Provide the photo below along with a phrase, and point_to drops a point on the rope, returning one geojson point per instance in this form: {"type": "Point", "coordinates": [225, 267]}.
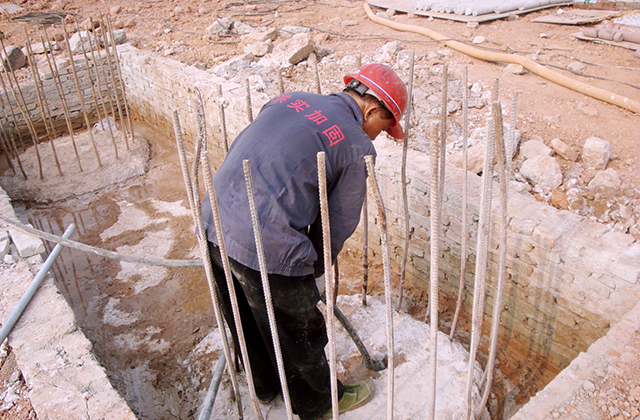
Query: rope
{"type": "Point", "coordinates": [386, 263]}
{"type": "Point", "coordinates": [405, 199]}
{"type": "Point", "coordinates": [481, 259]}
{"type": "Point", "coordinates": [465, 228]}
{"type": "Point", "coordinates": [99, 251]}
{"type": "Point", "coordinates": [434, 158]}
{"type": "Point", "coordinates": [213, 200]}
{"type": "Point", "coordinates": [265, 286]}
{"type": "Point", "coordinates": [326, 247]}
{"type": "Point", "coordinates": [197, 218]}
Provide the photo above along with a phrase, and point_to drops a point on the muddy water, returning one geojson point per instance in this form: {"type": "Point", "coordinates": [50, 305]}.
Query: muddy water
{"type": "Point", "coordinates": [144, 321]}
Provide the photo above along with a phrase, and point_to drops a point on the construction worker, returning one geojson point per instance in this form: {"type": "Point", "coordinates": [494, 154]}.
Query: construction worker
{"type": "Point", "coordinates": [281, 145]}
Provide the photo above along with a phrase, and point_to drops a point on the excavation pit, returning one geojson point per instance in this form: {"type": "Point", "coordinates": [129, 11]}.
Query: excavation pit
{"type": "Point", "coordinates": [554, 305]}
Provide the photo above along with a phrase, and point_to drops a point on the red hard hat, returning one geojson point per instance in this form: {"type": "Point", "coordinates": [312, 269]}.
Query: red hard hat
{"type": "Point", "coordinates": [388, 86]}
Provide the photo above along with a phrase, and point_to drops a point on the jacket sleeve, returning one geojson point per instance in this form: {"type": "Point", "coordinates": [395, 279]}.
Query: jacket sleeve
{"type": "Point", "coordinates": [345, 196]}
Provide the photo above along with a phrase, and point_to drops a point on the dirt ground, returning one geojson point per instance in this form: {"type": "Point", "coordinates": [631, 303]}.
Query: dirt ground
{"type": "Point", "coordinates": [546, 111]}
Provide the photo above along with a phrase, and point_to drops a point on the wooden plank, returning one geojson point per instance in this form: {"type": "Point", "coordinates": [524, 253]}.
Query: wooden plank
{"type": "Point", "coordinates": [577, 17]}
{"type": "Point", "coordinates": [407, 6]}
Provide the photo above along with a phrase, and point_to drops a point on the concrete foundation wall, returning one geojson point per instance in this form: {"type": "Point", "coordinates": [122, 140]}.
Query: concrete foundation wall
{"type": "Point", "coordinates": [568, 278]}
{"type": "Point", "coordinates": [11, 111]}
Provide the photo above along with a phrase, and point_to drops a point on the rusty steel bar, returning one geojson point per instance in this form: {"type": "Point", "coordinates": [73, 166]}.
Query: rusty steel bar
{"type": "Point", "coordinates": [316, 73]}
{"type": "Point", "coordinates": [53, 68]}
{"type": "Point", "coordinates": [80, 99]}
{"type": "Point", "coordinates": [23, 108]}
{"type": "Point", "coordinates": [223, 119]}
{"type": "Point", "coordinates": [10, 140]}
{"type": "Point", "coordinates": [248, 101]}
{"type": "Point", "coordinates": [365, 249]}
{"type": "Point", "coordinates": [42, 101]}
{"type": "Point", "coordinates": [117, 67]}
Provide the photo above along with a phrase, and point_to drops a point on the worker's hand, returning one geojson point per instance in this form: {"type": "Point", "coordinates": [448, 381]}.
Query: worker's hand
{"type": "Point", "coordinates": [320, 284]}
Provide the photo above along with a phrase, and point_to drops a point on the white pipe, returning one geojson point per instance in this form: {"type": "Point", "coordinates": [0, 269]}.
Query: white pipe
{"type": "Point", "coordinates": [33, 287]}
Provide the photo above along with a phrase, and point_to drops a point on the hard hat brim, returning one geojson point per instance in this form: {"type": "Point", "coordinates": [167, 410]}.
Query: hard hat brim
{"type": "Point", "coordinates": [396, 131]}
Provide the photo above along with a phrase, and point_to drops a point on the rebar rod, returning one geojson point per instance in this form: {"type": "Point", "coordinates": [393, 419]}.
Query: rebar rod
{"type": "Point", "coordinates": [365, 249]}
{"type": "Point", "coordinates": [280, 82]}
{"type": "Point", "coordinates": [99, 63]}
{"type": "Point", "coordinates": [122, 85]}
{"type": "Point", "coordinates": [13, 113]}
{"type": "Point", "coordinates": [265, 285]}
{"type": "Point", "coordinates": [80, 99]}
{"type": "Point", "coordinates": [53, 68]}
{"type": "Point", "coordinates": [8, 325]}
{"type": "Point", "coordinates": [11, 144]}
{"type": "Point", "coordinates": [204, 248]}
{"type": "Point", "coordinates": [213, 201]}
{"type": "Point", "coordinates": [114, 83]}
{"type": "Point", "coordinates": [386, 263]}
{"type": "Point", "coordinates": [465, 227]}
{"type": "Point", "coordinates": [23, 108]}
{"type": "Point", "coordinates": [503, 173]}
{"type": "Point", "coordinates": [328, 278]}
{"type": "Point", "coordinates": [249, 110]}
{"type": "Point", "coordinates": [511, 140]}
{"type": "Point", "coordinates": [405, 199]}
{"type": "Point", "coordinates": [223, 119]}
{"type": "Point", "coordinates": [6, 151]}
{"type": "Point", "coordinates": [481, 260]}
{"type": "Point", "coordinates": [42, 100]}
{"type": "Point", "coordinates": [434, 151]}
{"type": "Point", "coordinates": [443, 137]}
{"type": "Point", "coordinates": [93, 89]}
{"type": "Point", "coordinates": [313, 59]}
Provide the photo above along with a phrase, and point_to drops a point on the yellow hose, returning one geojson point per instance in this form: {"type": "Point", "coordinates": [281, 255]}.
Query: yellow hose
{"type": "Point", "coordinates": [554, 76]}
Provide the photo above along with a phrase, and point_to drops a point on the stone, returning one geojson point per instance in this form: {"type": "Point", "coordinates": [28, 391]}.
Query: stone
{"type": "Point", "coordinates": [596, 153]}
{"type": "Point", "coordinates": [119, 36]}
{"type": "Point", "coordinates": [235, 64]}
{"type": "Point", "coordinates": [321, 51]}
{"type": "Point", "coordinates": [391, 48]}
{"type": "Point", "coordinates": [83, 39]}
{"type": "Point", "coordinates": [534, 148]}
{"type": "Point", "coordinates": [479, 39]}
{"type": "Point", "coordinates": [588, 110]}
{"type": "Point", "coordinates": [26, 244]}
{"type": "Point", "coordinates": [15, 59]}
{"type": "Point", "coordinates": [588, 386]}
{"type": "Point", "coordinates": [242, 28]}
{"type": "Point", "coordinates": [89, 24]}
{"type": "Point", "coordinates": [564, 150]}
{"type": "Point", "coordinates": [10, 8]}
{"type": "Point", "coordinates": [383, 15]}
{"type": "Point", "coordinates": [608, 179]}
{"type": "Point", "coordinates": [290, 30]}
{"type": "Point", "coordinates": [543, 171]}
{"type": "Point", "coordinates": [575, 66]}
{"type": "Point", "coordinates": [268, 35]}
{"type": "Point", "coordinates": [391, 12]}
{"type": "Point", "coordinates": [220, 26]}
{"type": "Point", "coordinates": [259, 49]}
{"type": "Point", "coordinates": [115, 10]}
{"type": "Point", "coordinates": [8, 259]}
{"type": "Point", "coordinates": [346, 23]}
{"type": "Point", "coordinates": [40, 48]}
{"type": "Point", "coordinates": [472, 25]}
{"type": "Point", "coordinates": [4, 246]}
{"type": "Point", "coordinates": [295, 49]}
{"type": "Point", "coordinates": [514, 69]}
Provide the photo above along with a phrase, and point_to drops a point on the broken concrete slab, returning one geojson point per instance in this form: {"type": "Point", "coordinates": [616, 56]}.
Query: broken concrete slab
{"type": "Point", "coordinates": [83, 41]}
{"type": "Point", "coordinates": [534, 148]}
{"type": "Point", "coordinates": [15, 59]}
{"type": "Point", "coordinates": [26, 244]}
{"type": "Point", "coordinates": [564, 150]}
{"type": "Point", "coordinates": [608, 179]}
{"type": "Point", "coordinates": [252, 38]}
{"type": "Point", "coordinates": [596, 153]}
{"type": "Point", "coordinates": [542, 171]}
{"type": "Point", "coordinates": [238, 63]}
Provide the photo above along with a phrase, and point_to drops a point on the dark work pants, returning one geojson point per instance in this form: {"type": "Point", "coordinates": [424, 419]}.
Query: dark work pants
{"type": "Point", "coordinates": [301, 330]}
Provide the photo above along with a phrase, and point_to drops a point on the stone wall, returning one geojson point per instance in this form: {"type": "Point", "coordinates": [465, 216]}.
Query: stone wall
{"type": "Point", "coordinates": [11, 110]}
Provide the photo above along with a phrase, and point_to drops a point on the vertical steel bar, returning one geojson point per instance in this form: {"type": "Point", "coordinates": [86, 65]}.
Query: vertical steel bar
{"type": "Point", "coordinates": [114, 83]}
{"type": "Point", "coordinates": [53, 68]}
{"type": "Point", "coordinates": [435, 199]}
{"type": "Point", "coordinates": [386, 263]}
{"type": "Point", "coordinates": [11, 144]}
{"type": "Point", "coordinates": [23, 108]}
{"type": "Point", "coordinates": [80, 99]}
{"type": "Point", "coordinates": [248, 101]}
{"type": "Point", "coordinates": [405, 199]}
{"type": "Point", "coordinates": [223, 119]}
{"type": "Point", "coordinates": [329, 281]}
{"type": "Point", "coordinates": [6, 151]}
{"type": "Point", "coordinates": [99, 63]}
{"type": "Point", "coordinates": [365, 249]}
{"type": "Point", "coordinates": [316, 73]}
{"type": "Point", "coordinates": [42, 100]}
{"type": "Point", "coordinates": [265, 286]}
{"type": "Point", "coordinates": [13, 113]}
{"type": "Point", "coordinates": [465, 228]}
{"type": "Point", "coordinates": [122, 86]}
{"type": "Point", "coordinates": [280, 82]}
{"type": "Point", "coordinates": [511, 141]}
{"type": "Point", "coordinates": [197, 218]}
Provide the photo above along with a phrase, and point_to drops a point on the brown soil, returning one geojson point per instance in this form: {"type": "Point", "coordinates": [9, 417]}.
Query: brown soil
{"type": "Point", "coordinates": [177, 29]}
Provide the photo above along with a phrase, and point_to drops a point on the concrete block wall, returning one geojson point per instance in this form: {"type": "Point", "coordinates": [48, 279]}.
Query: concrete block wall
{"type": "Point", "coordinates": [11, 111]}
{"type": "Point", "coordinates": [568, 278]}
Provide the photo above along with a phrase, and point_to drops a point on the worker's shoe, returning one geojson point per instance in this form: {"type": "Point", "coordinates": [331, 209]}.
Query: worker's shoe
{"type": "Point", "coordinates": [355, 396]}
